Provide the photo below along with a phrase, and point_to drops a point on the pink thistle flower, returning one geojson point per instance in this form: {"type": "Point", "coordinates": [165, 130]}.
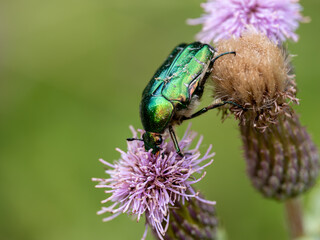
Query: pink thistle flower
{"type": "Point", "coordinates": [141, 182]}
{"type": "Point", "coordinates": [278, 19]}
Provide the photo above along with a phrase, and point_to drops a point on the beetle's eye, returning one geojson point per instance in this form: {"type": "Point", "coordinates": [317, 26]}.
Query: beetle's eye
{"type": "Point", "coordinates": [158, 140]}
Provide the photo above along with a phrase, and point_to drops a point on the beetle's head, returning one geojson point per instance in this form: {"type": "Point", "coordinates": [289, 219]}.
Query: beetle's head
{"type": "Point", "coordinates": [152, 141]}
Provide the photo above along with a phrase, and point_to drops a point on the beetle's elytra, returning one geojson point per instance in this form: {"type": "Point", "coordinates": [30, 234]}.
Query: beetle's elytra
{"type": "Point", "coordinates": [169, 97]}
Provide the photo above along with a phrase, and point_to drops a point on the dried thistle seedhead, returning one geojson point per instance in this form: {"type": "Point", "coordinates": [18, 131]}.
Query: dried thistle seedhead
{"type": "Point", "coordinates": [282, 160]}
{"type": "Point", "coordinates": [258, 78]}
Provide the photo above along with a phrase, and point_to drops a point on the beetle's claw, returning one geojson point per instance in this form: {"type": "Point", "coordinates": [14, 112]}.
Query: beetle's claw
{"type": "Point", "coordinates": [180, 154]}
{"type": "Point", "coordinates": [244, 108]}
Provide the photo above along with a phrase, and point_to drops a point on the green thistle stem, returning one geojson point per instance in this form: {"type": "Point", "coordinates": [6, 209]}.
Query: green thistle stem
{"type": "Point", "coordinates": [294, 218]}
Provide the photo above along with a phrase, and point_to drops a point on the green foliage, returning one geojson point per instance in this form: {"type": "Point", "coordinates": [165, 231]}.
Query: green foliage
{"type": "Point", "coordinates": [312, 215]}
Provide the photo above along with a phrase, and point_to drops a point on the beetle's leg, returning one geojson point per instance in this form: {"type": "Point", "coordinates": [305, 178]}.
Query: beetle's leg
{"type": "Point", "coordinates": [133, 139]}
{"type": "Point", "coordinates": [205, 109]}
{"type": "Point", "coordinates": [208, 73]}
{"type": "Point", "coordinates": [220, 55]}
{"type": "Point", "coordinates": [175, 141]}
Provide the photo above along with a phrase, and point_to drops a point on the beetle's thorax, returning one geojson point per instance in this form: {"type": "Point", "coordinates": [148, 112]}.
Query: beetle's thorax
{"type": "Point", "coordinates": [156, 113]}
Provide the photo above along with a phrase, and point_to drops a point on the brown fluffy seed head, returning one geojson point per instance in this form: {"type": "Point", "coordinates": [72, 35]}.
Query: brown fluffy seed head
{"type": "Point", "coordinates": [258, 78]}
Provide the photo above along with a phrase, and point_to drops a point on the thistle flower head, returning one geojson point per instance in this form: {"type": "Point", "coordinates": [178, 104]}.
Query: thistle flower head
{"type": "Point", "coordinates": [141, 182]}
{"type": "Point", "coordinates": [226, 18]}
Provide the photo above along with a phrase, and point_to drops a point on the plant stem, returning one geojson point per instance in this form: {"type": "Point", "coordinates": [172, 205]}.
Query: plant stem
{"type": "Point", "coordinates": [294, 218]}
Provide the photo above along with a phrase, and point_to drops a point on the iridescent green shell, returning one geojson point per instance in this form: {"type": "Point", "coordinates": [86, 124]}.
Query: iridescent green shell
{"type": "Point", "coordinates": [174, 84]}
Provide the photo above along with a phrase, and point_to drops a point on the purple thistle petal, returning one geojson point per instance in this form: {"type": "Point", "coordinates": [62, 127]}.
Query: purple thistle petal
{"type": "Point", "coordinates": [226, 18]}
{"type": "Point", "coordinates": [141, 182]}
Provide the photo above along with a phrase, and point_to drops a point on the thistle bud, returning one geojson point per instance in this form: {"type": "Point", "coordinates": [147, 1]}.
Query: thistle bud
{"type": "Point", "coordinates": [192, 220]}
{"type": "Point", "coordinates": [282, 160]}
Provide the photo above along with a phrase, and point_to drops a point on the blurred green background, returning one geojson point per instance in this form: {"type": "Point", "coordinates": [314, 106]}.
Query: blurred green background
{"type": "Point", "coordinates": [71, 75]}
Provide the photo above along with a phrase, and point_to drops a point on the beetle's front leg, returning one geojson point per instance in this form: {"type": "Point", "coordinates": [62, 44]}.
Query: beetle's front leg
{"type": "Point", "coordinates": [175, 141]}
{"type": "Point", "coordinates": [210, 68]}
{"type": "Point", "coordinates": [222, 54]}
{"type": "Point", "coordinates": [215, 105]}
{"type": "Point", "coordinates": [134, 139]}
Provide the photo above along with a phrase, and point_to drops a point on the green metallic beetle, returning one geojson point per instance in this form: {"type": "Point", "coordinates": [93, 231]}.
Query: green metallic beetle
{"type": "Point", "coordinates": [170, 96]}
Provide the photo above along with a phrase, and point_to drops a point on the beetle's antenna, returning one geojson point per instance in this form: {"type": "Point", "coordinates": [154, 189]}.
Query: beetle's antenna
{"type": "Point", "coordinates": [133, 139]}
{"type": "Point", "coordinates": [222, 54]}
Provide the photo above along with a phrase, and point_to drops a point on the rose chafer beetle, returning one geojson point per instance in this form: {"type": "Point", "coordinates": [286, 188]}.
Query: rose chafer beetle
{"type": "Point", "coordinates": [170, 96]}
